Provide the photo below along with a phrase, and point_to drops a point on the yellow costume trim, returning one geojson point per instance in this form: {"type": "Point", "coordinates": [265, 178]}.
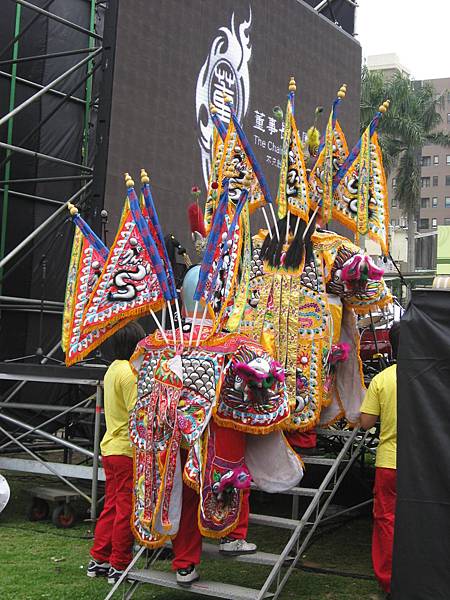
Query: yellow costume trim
{"type": "Point", "coordinates": [262, 308]}
{"type": "Point", "coordinates": [69, 297]}
{"type": "Point", "coordinates": [251, 429]}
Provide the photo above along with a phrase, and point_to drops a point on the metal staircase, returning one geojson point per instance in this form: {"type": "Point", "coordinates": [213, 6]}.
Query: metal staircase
{"type": "Point", "coordinates": [303, 527]}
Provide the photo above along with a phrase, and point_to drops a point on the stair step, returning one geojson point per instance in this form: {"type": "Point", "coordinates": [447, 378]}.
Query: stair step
{"type": "Point", "coordinates": [205, 588]}
{"type": "Point", "coordinates": [345, 433]}
{"type": "Point", "coordinates": [257, 558]}
{"type": "Point", "coordinates": [295, 491]}
{"type": "Point", "coordinates": [271, 521]}
{"type": "Point", "coordinates": [318, 460]}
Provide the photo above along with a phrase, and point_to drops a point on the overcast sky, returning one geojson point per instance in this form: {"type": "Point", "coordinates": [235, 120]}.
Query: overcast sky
{"type": "Point", "coordinates": [416, 30]}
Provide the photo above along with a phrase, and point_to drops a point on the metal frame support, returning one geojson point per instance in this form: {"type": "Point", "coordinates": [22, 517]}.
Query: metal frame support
{"type": "Point", "coordinates": [24, 29]}
{"type": "Point", "coordinates": [44, 156]}
{"type": "Point", "coordinates": [30, 301]}
{"type": "Point", "coordinates": [89, 64]}
{"type": "Point", "coordinates": [57, 18]}
{"type": "Point", "coordinates": [324, 4]}
{"type": "Point", "coordinates": [48, 436]}
{"type": "Point", "coordinates": [95, 461]}
{"type": "Point", "coordinates": [65, 98]}
{"type": "Point", "coordinates": [45, 464]}
{"type": "Point", "coordinates": [312, 516]}
{"type": "Point", "coordinates": [39, 87]}
{"type": "Point", "coordinates": [42, 226]}
{"type": "Point", "coordinates": [32, 197]}
{"type": "Point", "coordinates": [15, 61]}
{"type": "Point", "coordinates": [47, 87]}
{"type": "Point", "coordinates": [48, 179]}
{"type": "Point", "coordinates": [9, 137]}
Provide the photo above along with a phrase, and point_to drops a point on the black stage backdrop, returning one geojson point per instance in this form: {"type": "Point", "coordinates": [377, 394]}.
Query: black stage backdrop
{"type": "Point", "coordinates": [172, 58]}
{"type": "Point", "coordinates": [421, 565]}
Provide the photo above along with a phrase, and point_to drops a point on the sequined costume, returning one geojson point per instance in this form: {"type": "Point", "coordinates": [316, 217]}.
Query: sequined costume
{"type": "Point", "coordinates": [307, 321]}
{"type": "Point", "coordinates": [177, 409]}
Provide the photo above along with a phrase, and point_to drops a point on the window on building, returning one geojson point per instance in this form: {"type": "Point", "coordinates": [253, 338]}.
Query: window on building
{"type": "Point", "coordinates": [393, 222]}
{"type": "Point", "coordinates": [436, 159]}
{"type": "Point", "coordinates": [393, 202]}
{"type": "Point", "coordinates": [434, 202]}
{"type": "Point", "coordinates": [448, 117]}
{"type": "Point", "coordinates": [446, 221]}
{"type": "Point", "coordinates": [447, 202]}
{"type": "Point", "coordinates": [394, 179]}
{"type": "Point", "coordinates": [425, 182]}
{"type": "Point", "coordinates": [424, 223]}
{"type": "Point", "coordinates": [447, 180]}
{"type": "Point", "coordinates": [448, 159]}
{"type": "Point", "coordinates": [426, 161]}
{"type": "Point", "coordinates": [435, 180]}
{"type": "Point", "coordinates": [424, 203]}
{"type": "Point", "coordinates": [434, 223]}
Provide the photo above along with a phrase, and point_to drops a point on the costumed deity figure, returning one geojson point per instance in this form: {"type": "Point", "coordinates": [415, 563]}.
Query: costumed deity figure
{"type": "Point", "coordinates": [305, 295]}
{"type": "Point", "coordinates": [307, 284]}
{"type": "Point", "coordinates": [207, 421]}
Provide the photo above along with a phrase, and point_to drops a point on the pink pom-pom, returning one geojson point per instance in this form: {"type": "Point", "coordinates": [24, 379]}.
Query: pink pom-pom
{"type": "Point", "coordinates": [339, 352]}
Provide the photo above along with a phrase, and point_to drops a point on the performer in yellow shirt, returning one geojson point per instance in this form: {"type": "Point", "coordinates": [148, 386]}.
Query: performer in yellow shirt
{"type": "Point", "coordinates": [381, 402]}
{"type": "Point", "coordinates": [113, 539]}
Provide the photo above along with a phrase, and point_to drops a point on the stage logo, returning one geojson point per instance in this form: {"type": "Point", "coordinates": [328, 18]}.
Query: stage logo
{"type": "Point", "coordinates": [224, 71]}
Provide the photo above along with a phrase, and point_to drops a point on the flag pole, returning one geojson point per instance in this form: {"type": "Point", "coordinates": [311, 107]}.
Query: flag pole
{"type": "Point", "coordinates": [191, 334]}
{"type": "Point", "coordinates": [202, 323]}
{"type": "Point", "coordinates": [159, 326]}
{"type": "Point", "coordinates": [172, 325]}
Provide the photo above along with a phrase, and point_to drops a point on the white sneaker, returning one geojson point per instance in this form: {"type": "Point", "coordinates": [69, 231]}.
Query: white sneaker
{"type": "Point", "coordinates": [232, 547]}
{"type": "Point", "coordinates": [187, 576]}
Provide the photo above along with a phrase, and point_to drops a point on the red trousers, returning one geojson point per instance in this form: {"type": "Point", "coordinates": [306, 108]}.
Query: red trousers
{"type": "Point", "coordinates": [187, 545]}
{"type": "Point", "coordinates": [113, 539]}
{"type": "Point", "coordinates": [385, 496]}
{"type": "Point", "coordinates": [302, 439]}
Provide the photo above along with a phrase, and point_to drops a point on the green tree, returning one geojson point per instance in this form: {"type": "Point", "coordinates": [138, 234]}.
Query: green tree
{"type": "Point", "coordinates": [409, 124]}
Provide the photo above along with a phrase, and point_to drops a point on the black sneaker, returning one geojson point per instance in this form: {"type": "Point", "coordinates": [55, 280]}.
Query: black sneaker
{"type": "Point", "coordinates": [97, 569]}
{"type": "Point", "coordinates": [114, 575]}
{"type": "Point", "coordinates": [187, 576]}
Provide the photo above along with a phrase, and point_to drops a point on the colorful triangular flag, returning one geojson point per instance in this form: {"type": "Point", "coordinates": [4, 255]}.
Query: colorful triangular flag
{"type": "Point", "coordinates": [128, 285]}
{"type": "Point", "coordinates": [331, 154]}
{"type": "Point", "coordinates": [293, 189]}
{"type": "Point", "coordinates": [360, 198]}
{"type": "Point", "coordinates": [86, 264]}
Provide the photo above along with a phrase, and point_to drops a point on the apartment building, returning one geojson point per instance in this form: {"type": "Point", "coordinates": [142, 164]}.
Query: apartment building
{"type": "Point", "coordinates": [434, 206]}
{"type": "Point", "coordinates": [435, 170]}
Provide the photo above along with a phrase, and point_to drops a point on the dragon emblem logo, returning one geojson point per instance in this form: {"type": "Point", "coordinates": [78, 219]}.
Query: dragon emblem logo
{"type": "Point", "coordinates": [225, 71]}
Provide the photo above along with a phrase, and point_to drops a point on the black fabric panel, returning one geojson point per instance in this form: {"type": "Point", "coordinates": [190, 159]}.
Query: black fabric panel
{"type": "Point", "coordinates": [21, 211]}
{"type": "Point", "coordinates": [61, 136]}
{"type": "Point", "coordinates": [421, 565]}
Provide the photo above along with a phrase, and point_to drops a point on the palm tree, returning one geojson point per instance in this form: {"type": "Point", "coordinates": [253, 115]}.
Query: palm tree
{"type": "Point", "coordinates": [409, 124]}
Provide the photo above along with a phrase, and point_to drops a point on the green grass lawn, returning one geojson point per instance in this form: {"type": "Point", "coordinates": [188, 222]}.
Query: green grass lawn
{"type": "Point", "coordinates": [40, 561]}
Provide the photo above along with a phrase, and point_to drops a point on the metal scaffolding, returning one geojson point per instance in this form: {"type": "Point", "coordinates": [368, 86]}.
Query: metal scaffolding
{"type": "Point", "coordinates": [86, 64]}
